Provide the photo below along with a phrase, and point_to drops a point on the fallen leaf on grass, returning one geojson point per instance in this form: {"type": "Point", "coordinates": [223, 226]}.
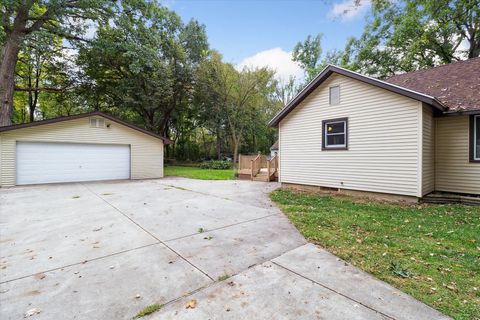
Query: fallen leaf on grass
{"type": "Point", "coordinates": [452, 286]}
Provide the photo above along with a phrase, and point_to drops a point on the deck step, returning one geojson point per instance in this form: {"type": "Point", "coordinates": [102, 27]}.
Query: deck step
{"type": "Point", "coordinates": [261, 177]}
{"type": "Point", "coordinates": [446, 198]}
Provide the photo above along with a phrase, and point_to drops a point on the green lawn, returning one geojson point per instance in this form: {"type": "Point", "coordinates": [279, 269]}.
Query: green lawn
{"type": "Point", "coordinates": [431, 252]}
{"type": "Point", "coordinates": [197, 173]}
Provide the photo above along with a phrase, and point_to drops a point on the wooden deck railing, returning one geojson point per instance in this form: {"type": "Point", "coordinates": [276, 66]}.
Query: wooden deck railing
{"type": "Point", "coordinates": [256, 165]}
{"type": "Point", "coordinates": [272, 167]}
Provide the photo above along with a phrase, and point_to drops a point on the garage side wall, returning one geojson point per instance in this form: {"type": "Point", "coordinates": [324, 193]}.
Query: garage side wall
{"type": "Point", "coordinates": [146, 151]}
{"type": "Point", "coordinates": [384, 140]}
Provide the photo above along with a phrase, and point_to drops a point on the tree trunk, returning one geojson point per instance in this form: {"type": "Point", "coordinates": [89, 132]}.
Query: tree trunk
{"type": "Point", "coordinates": [235, 153]}
{"type": "Point", "coordinates": [30, 95]}
{"type": "Point", "coordinates": [33, 107]}
{"type": "Point", "coordinates": [9, 57]}
{"type": "Point", "coordinates": [168, 151]}
{"type": "Point", "coordinates": [206, 150]}
{"type": "Point", "coordinates": [474, 48]}
{"type": "Point", "coordinates": [8, 63]}
{"type": "Point", "coordinates": [219, 146]}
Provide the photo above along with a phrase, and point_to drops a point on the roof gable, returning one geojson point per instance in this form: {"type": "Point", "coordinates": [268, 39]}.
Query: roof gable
{"type": "Point", "coordinates": [330, 69]}
{"type": "Point", "coordinates": [83, 115]}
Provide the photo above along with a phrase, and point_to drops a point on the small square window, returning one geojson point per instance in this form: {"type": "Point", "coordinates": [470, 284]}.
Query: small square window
{"type": "Point", "coordinates": [97, 123]}
{"type": "Point", "coordinates": [335, 95]}
{"type": "Point", "coordinates": [334, 135]}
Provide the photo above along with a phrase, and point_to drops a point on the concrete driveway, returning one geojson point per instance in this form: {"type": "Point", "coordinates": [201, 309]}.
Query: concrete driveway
{"type": "Point", "coordinates": [106, 250]}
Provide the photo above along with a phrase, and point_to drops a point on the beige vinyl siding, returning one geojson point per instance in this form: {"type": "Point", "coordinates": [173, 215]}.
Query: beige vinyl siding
{"type": "Point", "coordinates": [453, 171]}
{"type": "Point", "coordinates": [384, 134]}
{"type": "Point", "coordinates": [428, 153]}
{"type": "Point", "coordinates": [146, 151]}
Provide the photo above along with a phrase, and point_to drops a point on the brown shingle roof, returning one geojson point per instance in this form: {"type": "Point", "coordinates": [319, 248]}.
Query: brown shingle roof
{"type": "Point", "coordinates": [455, 85]}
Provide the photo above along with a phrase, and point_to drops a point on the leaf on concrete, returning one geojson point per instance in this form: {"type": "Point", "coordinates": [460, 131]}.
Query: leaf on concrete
{"type": "Point", "coordinates": [192, 304]}
{"type": "Point", "coordinates": [32, 312]}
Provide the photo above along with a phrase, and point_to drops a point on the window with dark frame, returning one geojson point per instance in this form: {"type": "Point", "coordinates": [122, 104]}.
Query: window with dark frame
{"type": "Point", "coordinates": [476, 138]}
{"type": "Point", "coordinates": [335, 135]}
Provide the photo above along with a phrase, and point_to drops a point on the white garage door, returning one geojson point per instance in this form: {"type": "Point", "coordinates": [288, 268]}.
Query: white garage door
{"type": "Point", "coordinates": [39, 162]}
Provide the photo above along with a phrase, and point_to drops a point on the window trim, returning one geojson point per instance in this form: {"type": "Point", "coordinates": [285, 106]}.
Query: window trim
{"type": "Point", "coordinates": [324, 135]}
{"type": "Point", "coordinates": [472, 140]}
{"type": "Point", "coordinates": [330, 95]}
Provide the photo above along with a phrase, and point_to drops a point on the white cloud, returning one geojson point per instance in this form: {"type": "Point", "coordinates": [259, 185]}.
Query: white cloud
{"type": "Point", "coordinates": [349, 9]}
{"type": "Point", "coordinates": [275, 59]}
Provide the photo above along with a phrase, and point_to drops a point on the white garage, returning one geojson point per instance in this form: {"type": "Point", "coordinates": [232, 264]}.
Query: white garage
{"type": "Point", "coordinates": [86, 147]}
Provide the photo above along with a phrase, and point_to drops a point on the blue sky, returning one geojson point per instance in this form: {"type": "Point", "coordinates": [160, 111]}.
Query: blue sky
{"type": "Point", "coordinates": [264, 32]}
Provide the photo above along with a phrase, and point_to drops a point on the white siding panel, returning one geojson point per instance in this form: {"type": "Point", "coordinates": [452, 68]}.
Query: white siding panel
{"type": "Point", "coordinates": [428, 159]}
{"type": "Point", "coordinates": [146, 151]}
{"type": "Point", "coordinates": [383, 142]}
{"type": "Point", "coordinates": [453, 171]}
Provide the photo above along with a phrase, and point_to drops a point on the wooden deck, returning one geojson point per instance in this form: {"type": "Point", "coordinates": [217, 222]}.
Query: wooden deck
{"type": "Point", "coordinates": [257, 168]}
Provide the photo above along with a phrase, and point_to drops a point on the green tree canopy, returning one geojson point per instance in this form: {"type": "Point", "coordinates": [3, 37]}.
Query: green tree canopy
{"type": "Point", "coordinates": [403, 36]}
{"type": "Point", "coordinates": [144, 61]}
{"type": "Point", "coordinates": [21, 19]}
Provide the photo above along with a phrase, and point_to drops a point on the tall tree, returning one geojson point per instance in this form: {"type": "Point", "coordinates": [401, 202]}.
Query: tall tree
{"type": "Point", "coordinates": [40, 71]}
{"type": "Point", "coordinates": [286, 90]}
{"type": "Point", "coordinates": [403, 36]}
{"type": "Point", "coordinates": [22, 18]}
{"type": "Point", "coordinates": [308, 54]}
{"type": "Point", "coordinates": [144, 61]}
{"type": "Point", "coordinates": [210, 98]}
{"type": "Point", "coordinates": [251, 89]}
{"type": "Point", "coordinates": [237, 101]}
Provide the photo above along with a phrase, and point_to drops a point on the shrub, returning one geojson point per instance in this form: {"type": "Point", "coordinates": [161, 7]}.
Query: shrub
{"type": "Point", "coordinates": [216, 165]}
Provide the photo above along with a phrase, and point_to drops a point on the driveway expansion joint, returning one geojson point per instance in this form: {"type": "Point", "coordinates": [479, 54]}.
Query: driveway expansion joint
{"type": "Point", "coordinates": [333, 290]}
{"type": "Point", "coordinates": [207, 194]}
{"type": "Point", "coordinates": [221, 228]}
{"type": "Point", "coordinates": [83, 262]}
{"type": "Point", "coordinates": [149, 233]}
